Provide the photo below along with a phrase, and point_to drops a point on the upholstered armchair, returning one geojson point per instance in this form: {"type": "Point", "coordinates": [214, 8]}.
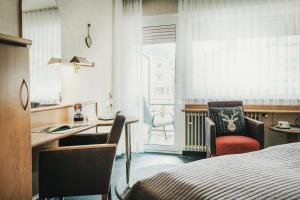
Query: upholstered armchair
{"type": "Point", "coordinates": [80, 169]}
{"type": "Point", "coordinates": [251, 139]}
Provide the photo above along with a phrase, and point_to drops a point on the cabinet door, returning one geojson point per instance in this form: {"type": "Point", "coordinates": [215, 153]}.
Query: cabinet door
{"type": "Point", "coordinates": [15, 133]}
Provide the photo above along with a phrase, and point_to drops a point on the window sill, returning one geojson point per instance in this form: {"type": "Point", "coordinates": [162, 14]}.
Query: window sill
{"type": "Point", "coordinates": [249, 108]}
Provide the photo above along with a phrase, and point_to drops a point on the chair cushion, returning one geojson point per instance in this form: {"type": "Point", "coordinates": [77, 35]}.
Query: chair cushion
{"type": "Point", "coordinates": [228, 120]}
{"type": "Point", "coordinates": [235, 144]}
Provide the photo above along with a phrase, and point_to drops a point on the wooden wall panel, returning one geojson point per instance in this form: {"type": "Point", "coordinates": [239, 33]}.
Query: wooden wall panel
{"type": "Point", "coordinates": [50, 117]}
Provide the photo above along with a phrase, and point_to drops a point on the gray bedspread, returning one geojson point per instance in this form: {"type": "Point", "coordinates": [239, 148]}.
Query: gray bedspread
{"type": "Point", "coordinates": [272, 173]}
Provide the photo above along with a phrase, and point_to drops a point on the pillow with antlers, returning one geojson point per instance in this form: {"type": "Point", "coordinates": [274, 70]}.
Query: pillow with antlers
{"type": "Point", "coordinates": [228, 120]}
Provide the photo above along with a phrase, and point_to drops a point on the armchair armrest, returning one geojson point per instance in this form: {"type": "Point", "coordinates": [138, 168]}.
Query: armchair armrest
{"type": "Point", "coordinates": [76, 170]}
{"type": "Point", "coordinates": [84, 139]}
{"type": "Point", "coordinates": [255, 130]}
{"type": "Point", "coordinates": [210, 136]}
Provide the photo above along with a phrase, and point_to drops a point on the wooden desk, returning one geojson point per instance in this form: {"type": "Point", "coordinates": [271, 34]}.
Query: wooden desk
{"type": "Point", "coordinates": [292, 133]}
{"type": "Point", "coordinates": [39, 139]}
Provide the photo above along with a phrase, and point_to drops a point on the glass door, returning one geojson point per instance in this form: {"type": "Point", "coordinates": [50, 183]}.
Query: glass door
{"type": "Point", "coordinates": [158, 63]}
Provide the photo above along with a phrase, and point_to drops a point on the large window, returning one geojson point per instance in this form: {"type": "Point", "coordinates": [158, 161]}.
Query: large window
{"type": "Point", "coordinates": [247, 50]}
{"type": "Point", "coordinates": [44, 29]}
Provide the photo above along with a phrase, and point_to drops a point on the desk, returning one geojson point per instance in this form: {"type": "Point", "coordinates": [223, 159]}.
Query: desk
{"type": "Point", "coordinates": [39, 139]}
{"type": "Point", "coordinates": [292, 133]}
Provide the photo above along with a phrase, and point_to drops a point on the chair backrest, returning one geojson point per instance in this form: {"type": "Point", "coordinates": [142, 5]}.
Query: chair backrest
{"type": "Point", "coordinates": [116, 130]}
{"type": "Point", "coordinates": [147, 114]}
{"type": "Point", "coordinates": [222, 104]}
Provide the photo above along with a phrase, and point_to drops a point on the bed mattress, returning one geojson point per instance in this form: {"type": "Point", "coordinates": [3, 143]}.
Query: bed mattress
{"type": "Point", "coordinates": [271, 173]}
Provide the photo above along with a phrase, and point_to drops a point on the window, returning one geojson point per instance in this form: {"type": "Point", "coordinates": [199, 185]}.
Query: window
{"type": "Point", "coordinates": [247, 50]}
{"type": "Point", "coordinates": [159, 68]}
{"type": "Point", "coordinates": [44, 29]}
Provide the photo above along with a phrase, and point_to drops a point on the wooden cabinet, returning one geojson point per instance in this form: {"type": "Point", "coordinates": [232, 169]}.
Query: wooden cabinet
{"type": "Point", "coordinates": [15, 131]}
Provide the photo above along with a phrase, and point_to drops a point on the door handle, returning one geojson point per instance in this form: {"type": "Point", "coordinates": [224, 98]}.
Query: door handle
{"type": "Point", "coordinates": [24, 106]}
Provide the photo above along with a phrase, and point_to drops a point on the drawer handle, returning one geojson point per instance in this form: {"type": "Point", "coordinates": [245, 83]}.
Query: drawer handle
{"type": "Point", "coordinates": [24, 106]}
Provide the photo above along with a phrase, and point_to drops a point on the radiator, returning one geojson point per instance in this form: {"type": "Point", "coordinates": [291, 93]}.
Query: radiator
{"type": "Point", "coordinates": [195, 130]}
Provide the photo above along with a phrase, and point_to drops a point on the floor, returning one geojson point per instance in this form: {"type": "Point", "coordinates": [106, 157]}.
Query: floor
{"type": "Point", "coordinates": [158, 137]}
{"type": "Point", "coordinates": [138, 161]}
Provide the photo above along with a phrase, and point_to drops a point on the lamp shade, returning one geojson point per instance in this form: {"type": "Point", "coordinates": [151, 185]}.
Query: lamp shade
{"type": "Point", "coordinates": [81, 61]}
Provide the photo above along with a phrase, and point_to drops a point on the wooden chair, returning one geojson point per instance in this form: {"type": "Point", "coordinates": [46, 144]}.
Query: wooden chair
{"type": "Point", "coordinates": [251, 140]}
{"type": "Point", "coordinates": [79, 169]}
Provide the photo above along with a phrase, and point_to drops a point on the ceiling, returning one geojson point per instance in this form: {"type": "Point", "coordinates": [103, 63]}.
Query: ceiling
{"type": "Point", "coordinates": [28, 5]}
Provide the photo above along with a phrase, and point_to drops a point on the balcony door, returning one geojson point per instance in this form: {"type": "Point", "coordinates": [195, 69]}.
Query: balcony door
{"type": "Point", "coordinates": [158, 68]}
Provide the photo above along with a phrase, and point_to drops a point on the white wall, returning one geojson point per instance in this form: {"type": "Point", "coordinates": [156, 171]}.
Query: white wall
{"type": "Point", "coordinates": [9, 17]}
{"type": "Point", "coordinates": [89, 83]}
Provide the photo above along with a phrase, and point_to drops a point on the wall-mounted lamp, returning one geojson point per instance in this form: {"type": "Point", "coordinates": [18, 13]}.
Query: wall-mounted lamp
{"type": "Point", "coordinates": [80, 61]}
{"type": "Point", "coordinates": [54, 61]}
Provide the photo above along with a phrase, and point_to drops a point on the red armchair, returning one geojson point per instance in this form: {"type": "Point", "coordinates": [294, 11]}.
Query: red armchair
{"type": "Point", "coordinates": [251, 140]}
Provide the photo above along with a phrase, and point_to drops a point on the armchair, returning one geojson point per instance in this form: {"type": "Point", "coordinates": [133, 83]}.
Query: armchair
{"type": "Point", "coordinates": [251, 140]}
{"type": "Point", "coordinates": [80, 169]}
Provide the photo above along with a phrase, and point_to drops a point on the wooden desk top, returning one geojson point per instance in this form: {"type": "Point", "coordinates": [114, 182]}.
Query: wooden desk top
{"type": "Point", "coordinates": [292, 130]}
{"type": "Point", "coordinates": [40, 138]}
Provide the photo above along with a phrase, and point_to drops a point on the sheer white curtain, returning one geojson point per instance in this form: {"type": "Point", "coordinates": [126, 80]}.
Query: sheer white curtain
{"type": "Point", "coordinates": [127, 89]}
{"type": "Point", "coordinates": [44, 29]}
{"type": "Point", "coordinates": [247, 50]}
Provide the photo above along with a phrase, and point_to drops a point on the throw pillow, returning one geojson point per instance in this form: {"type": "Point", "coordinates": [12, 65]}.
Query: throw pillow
{"type": "Point", "coordinates": [228, 120]}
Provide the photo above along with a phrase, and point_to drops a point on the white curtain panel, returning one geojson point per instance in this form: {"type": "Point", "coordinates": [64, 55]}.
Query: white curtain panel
{"type": "Point", "coordinates": [242, 50]}
{"type": "Point", "coordinates": [43, 27]}
{"type": "Point", "coordinates": [127, 89]}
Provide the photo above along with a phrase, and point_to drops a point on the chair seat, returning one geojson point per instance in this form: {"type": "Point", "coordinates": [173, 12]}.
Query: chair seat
{"type": "Point", "coordinates": [163, 123]}
{"type": "Point", "coordinates": [235, 144]}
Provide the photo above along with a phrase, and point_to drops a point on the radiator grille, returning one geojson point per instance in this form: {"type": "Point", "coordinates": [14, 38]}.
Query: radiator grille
{"type": "Point", "coordinates": [195, 129]}
{"type": "Point", "coordinates": [256, 116]}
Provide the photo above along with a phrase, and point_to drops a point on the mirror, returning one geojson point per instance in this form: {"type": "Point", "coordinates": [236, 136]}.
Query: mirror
{"type": "Point", "coordinates": [41, 23]}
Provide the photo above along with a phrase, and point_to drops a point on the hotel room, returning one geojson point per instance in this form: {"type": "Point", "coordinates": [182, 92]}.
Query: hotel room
{"type": "Point", "coordinates": [149, 99]}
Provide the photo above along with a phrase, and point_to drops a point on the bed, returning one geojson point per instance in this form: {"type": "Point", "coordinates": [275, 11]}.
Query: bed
{"type": "Point", "coordinates": [271, 173]}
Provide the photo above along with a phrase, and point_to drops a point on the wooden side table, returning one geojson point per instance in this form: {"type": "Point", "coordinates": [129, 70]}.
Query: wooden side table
{"type": "Point", "coordinates": [292, 133]}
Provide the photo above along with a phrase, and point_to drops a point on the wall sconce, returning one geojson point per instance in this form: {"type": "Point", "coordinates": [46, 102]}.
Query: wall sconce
{"type": "Point", "coordinates": [54, 61]}
{"type": "Point", "coordinates": [80, 61]}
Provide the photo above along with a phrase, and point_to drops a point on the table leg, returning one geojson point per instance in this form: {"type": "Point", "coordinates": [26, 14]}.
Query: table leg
{"type": "Point", "coordinates": [127, 152]}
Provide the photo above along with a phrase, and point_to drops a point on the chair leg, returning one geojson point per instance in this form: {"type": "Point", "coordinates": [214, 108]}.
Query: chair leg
{"type": "Point", "coordinates": [208, 155]}
{"type": "Point", "coordinates": [109, 193]}
{"type": "Point", "coordinates": [61, 198]}
{"type": "Point", "coordinates": [104, 197]}
{"type": "Point", "coordinates": [165, 132]}
{"type": "Point", "coordinates": [149, 133]}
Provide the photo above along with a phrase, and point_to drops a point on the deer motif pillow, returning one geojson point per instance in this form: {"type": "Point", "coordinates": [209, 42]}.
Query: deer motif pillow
{"type": "Point", "coordinates": [228, 120]}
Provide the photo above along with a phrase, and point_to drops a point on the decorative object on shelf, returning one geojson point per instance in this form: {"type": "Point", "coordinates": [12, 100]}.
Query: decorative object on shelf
{"type": "Point", "coordinates": [78, 115]}
{"type": "Point", "coordinates": [109, 106]}
{"type": "Point", "coordinates": [80, 61]}
{"type": "Point", "coordinates": [88, 38]}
